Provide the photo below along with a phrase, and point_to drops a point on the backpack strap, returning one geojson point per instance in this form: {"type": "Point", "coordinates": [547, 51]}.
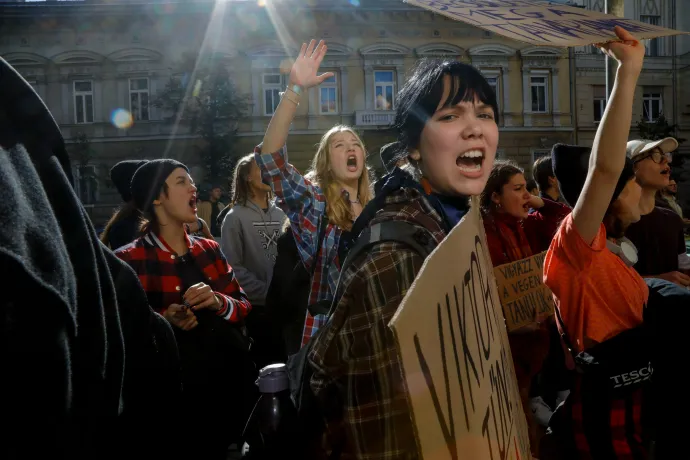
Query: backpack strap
{"type": "Point", "coordinates": [323, 225]}
{"type": "Point", "coordinates": [418, 239]}
{"type": "Point", "coordinates": [320, 307]}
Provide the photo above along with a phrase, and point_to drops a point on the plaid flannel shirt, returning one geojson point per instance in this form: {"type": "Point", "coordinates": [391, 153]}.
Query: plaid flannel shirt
{"type": "Point", "coordinates": [154, 262]}
{"type": "Point", "coordinates": [356, 365]}
{"type": "Point", "coordinates": [304, 204]}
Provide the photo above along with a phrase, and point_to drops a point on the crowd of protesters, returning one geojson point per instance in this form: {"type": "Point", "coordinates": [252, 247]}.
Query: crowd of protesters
{"type": "Point", "coordinates": [264, 279]}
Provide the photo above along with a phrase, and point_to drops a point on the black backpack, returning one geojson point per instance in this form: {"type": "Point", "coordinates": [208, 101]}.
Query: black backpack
{"type": "Point", "coordinates": [288, 294]}
{"type": "Point", "coordinates": [309, 411]}
{"type": "Point", "coordinates": [354, 244]}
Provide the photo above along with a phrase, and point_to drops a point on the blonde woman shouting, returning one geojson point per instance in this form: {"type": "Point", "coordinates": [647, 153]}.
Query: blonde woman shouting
{"type": "Point", "coordinates": [322, 209]}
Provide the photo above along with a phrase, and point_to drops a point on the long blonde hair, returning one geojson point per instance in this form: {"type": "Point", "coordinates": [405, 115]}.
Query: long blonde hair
{"type": "Point", "coordinates": [338, 210]}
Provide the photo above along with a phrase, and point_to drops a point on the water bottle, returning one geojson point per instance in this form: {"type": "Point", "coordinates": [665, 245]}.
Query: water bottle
{"type": "Point", "coordinates": [271, 431]}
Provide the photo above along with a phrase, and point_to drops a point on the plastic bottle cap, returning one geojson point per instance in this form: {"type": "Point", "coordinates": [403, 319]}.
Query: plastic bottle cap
{"type": "Point", "coordinates": [273, 378]}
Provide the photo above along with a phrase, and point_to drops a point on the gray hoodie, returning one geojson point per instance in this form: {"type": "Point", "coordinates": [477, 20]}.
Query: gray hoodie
{"type": "Point", "coordinates": [249, 237]}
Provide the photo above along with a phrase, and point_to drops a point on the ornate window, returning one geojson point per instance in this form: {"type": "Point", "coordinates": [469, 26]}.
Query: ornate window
{"type": "Point", "coordinates": [273, 85]}
{"type": "Point", "coordinates": [539, 93]}
{"type": "Point", "coordinates": [83, 101]}
{"type": "Point", "coordinates": [652, 102]}
{"type": "Point", "coordinates": [493, 62]}
{"type": "Point", "coordinates": [383, 73]}
{"type": "Point", "coordinates": [328, 96]}
{"type": "Point", "coordinates": [139, 98]}
{"type": "Point", "coordinates": [540, 82]}
{"type": "Point", "coordinates": [384, 89]}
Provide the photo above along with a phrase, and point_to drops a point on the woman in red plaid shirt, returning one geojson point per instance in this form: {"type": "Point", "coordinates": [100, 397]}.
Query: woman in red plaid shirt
{"type": "Point", "coordinates": [189, 282]}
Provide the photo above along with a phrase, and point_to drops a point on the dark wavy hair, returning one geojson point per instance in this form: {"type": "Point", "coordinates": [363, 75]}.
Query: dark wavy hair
{"type": "Point", "coordinates": [541, 171]}
{"type": "Point", "coordinates": [149, 221]}
{"type": "Point", "coordinates": [126, 211]}
{"type": "Point", "coordinates": [423, 93]}
{"type": "Point", "coordinates": [499, 176]}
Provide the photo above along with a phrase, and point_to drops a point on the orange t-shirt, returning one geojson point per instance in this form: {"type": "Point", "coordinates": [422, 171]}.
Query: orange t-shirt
{"type": "Point", "coordinates": [597, 294]}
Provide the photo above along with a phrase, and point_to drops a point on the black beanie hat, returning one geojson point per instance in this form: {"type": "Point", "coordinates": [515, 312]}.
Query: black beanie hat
{"type": "Point", "coordinates": [148, 181]}
{"type": "Point", "coordinates": [570, 166]}
{"type": "Point", "coordinates": [121, 174]}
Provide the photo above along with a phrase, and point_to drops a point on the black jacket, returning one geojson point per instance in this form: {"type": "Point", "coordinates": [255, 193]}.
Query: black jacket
{"type": "Point", "coordinates": [70, 308]}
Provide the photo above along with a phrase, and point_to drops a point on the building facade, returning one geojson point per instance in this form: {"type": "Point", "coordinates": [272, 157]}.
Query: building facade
{"type": "Point", "coordinates": [89, 59]}
{"type": "Point", "coordinates": [660, 88]}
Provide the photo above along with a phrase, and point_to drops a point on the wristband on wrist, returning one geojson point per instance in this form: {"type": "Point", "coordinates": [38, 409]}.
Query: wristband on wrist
{"type": "Point", "coordinates": [286, 95]}
{"type": "Point", "coordinates": [297, 89]}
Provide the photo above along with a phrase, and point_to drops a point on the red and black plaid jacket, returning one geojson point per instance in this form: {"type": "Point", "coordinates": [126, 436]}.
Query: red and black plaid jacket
{"type": "Point", "coordinates": [154, 262]}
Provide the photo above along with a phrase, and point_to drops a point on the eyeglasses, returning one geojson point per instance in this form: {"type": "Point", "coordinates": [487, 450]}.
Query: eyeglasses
{"type": "Point", "coordinates": [657, 157]}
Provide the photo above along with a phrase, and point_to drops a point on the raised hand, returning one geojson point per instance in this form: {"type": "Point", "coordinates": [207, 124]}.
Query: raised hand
{"type": "Point", "coordinates": [307, 64]}
{"type": "Point", "coordinates": [535, 202]}
{"type": "Point", "coordinates": [629, 52]}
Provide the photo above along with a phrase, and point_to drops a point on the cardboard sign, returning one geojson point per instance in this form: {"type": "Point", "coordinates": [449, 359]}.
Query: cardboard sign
{"type": "Point", "coordinates": [541, 23]}
{"type": "Point", "coordinates": [525, 298]}
{"type": "Point", "coordinates": [455, 355]}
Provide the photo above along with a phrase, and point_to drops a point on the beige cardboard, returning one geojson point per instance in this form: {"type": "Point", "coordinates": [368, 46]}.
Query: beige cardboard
{"type": "Point", "coordinates": [541, 23]}
{"type": "Point", "coordinates": [455, 354]}
{"type": "Point", "coordinates": [524, 297]}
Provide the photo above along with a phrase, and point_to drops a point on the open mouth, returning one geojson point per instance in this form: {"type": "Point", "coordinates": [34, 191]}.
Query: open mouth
{"type": "Point", "coordinates": [526, 207]}
{"type": "Point", "coordinates": [666, 172]}
{"type": "Point", "coordinates": [470, 161]}
{"type": "Point", "coordinates": [192, 203]}
{"type": "Point", "coordinates": [352, 163]}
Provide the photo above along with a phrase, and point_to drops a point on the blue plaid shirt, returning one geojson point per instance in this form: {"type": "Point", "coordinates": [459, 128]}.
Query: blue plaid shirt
{"type": "Point", "coordinates": [304, 203]}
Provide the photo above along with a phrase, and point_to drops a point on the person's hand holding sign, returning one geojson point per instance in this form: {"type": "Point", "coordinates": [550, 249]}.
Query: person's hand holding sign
{"type": "Point", "coordinates": [629, 52]}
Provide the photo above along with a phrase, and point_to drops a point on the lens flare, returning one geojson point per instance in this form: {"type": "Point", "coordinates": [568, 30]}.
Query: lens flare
{"type": "Point", "coordinates": [121, 118]}
{"type": "Point", "coordinates": [197, 89]}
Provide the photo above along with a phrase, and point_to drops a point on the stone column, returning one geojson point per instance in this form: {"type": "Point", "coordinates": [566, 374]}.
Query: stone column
{"type": "Point", "coordinates": [400, 80]}
{"type": "Point", "coordinates": [555, 105]}
{"type": "Point", "coordinates": [526, 98]}
{"type": "Point", "coordinates": [313, 111]}
{"type": "Point", "coordinates": [97, 88]}
{"type": "Point", "coordinates": [369, 87]}
{"type": "Point", "coordinates": [257, 112]}
{"type": "Point", "coordinates": [505, 84]}
{"type": "Point", "coordinates": [344, 96]}
{"type": "Point", "coordinates": [67, 101]}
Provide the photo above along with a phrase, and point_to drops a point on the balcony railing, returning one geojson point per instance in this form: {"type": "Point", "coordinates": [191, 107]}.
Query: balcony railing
{"type": "Point", "coordinates": [374, 117]}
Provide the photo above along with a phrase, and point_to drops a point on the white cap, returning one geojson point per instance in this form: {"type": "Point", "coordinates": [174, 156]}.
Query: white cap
{"type": "Point", "coordinates": [641, 146]}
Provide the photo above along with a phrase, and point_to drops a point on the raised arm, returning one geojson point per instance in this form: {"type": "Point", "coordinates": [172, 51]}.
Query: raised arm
{"type": "Point", "coordinates": [302, 77]}
{"type": "Point", "coordinates": [302, 201]}
{"type": "Point", "coordinates": [608, 151]}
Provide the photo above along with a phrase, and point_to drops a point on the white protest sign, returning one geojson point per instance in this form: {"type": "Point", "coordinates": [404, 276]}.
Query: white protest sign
{"type": "Point", "coordinates": [541, 23]}
{"type": "Point", "coordinates": [455, 355]}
